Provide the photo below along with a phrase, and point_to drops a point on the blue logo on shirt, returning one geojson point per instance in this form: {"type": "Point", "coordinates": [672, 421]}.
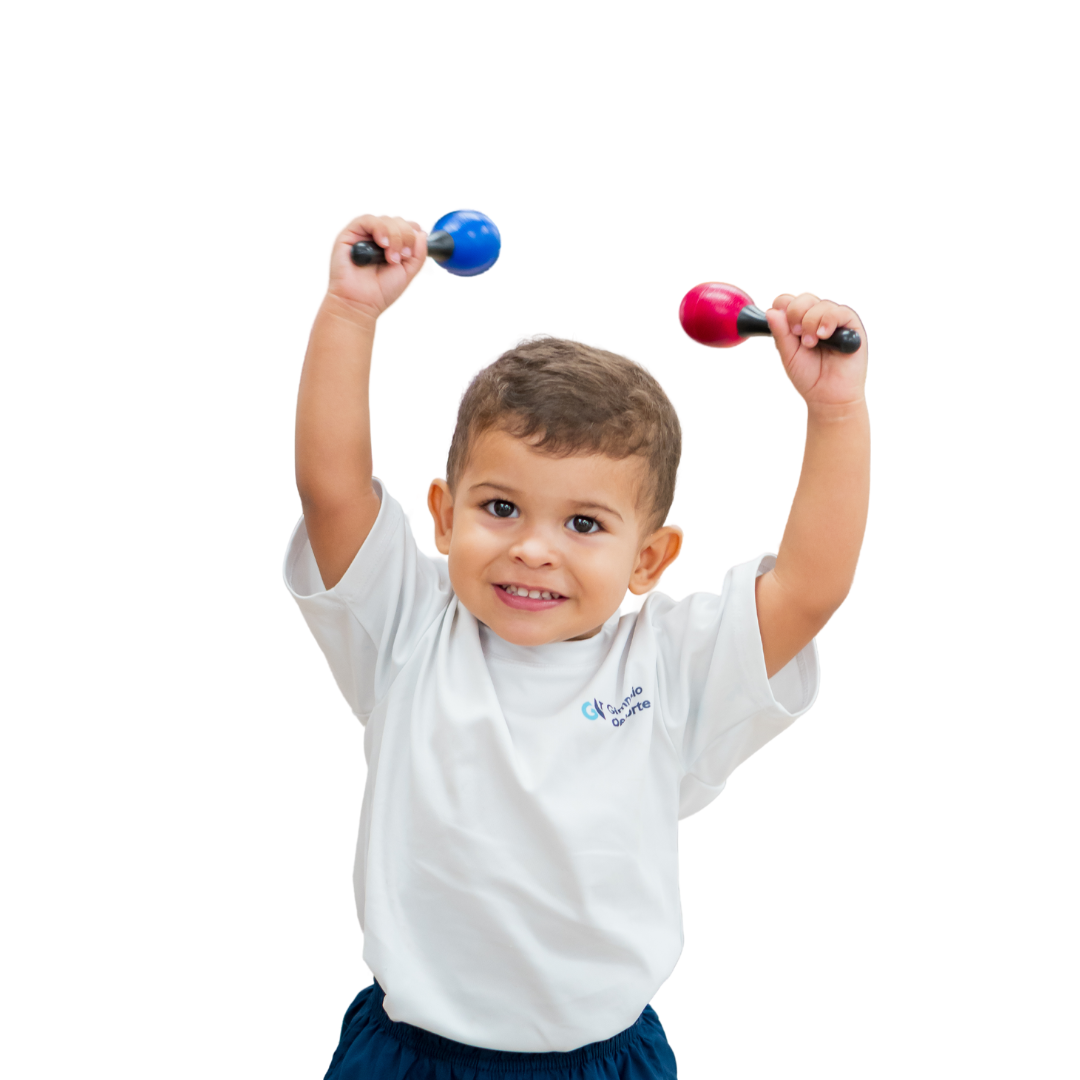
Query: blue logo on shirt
{"type": "Point", "coordinates": [617, 714]}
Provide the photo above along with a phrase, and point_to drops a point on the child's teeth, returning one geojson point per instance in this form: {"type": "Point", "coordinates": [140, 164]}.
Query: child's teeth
{"type": "Point", "coordinates": [532, 594]}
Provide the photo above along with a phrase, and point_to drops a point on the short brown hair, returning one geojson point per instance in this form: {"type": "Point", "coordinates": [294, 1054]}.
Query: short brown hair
{"type": "Point", "coordinates": [567, 398]}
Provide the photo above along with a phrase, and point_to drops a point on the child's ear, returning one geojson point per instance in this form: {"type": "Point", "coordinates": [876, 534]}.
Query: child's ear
{"type": "Point", "coordinates": [660, 552]}
{"type": "Point", "coordinates": [440, 502]}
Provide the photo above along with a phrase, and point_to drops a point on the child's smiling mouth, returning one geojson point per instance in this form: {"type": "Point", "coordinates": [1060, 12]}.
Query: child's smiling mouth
{"type": "Point", "coordinates": [526, 599]}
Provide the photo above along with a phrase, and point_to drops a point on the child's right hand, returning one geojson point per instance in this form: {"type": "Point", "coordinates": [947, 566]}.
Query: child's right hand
{"type": "Point", "coordinates": [372, 289]}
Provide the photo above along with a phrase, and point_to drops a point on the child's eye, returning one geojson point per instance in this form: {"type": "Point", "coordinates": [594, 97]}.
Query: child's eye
{"type": "Point", "coordinates": [501, 508]}
{"type": "Point", "coordinates": [581, 524]}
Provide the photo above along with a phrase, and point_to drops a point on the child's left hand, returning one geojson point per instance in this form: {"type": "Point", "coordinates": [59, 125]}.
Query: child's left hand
{"type": "Point", "coordinates": [822, 375]}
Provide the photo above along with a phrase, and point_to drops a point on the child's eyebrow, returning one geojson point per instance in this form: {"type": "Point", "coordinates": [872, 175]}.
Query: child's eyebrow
{"type": "Point", "coordinates": [574, 504]}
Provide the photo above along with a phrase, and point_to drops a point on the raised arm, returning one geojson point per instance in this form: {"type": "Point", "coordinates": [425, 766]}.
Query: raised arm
{"type": "Point", "coordinates": [816, 561]}
{"type": "Point", "coordinates": [333, 421]}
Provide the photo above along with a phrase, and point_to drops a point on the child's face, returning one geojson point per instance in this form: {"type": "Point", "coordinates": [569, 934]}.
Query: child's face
{"type": "Point", "coordinates": [569, 530]}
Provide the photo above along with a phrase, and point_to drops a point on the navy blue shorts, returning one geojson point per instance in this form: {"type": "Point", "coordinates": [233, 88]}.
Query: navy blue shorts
{"type": "Point", "coordinates": [374, 1047]}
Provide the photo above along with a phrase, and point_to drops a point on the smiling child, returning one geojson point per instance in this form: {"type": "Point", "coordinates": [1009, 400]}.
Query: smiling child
{"type": "Point", "coordinates": [529, 750]}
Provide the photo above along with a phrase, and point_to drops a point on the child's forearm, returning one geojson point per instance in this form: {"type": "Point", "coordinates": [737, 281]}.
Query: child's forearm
{"type": "Point", "coordinates": [333, 422]}
{"type": "Point", "coordinates": [816, 562]}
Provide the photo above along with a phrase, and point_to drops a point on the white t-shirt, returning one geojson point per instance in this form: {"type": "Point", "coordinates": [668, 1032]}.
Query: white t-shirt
{"type": "Point", "coordinates": [517, 864]}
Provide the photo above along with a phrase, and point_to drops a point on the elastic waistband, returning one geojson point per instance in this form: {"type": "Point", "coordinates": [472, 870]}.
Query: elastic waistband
{"type": "Point", "coordinates": [500, 1061]}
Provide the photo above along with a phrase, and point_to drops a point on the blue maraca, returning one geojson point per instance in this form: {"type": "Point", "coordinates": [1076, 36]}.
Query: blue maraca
{"type": "Point", "coordinates": [465, 242]}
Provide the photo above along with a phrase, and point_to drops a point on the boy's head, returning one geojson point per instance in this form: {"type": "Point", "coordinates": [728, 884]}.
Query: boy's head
{"type": "Point", "coordinates": [560, 475]}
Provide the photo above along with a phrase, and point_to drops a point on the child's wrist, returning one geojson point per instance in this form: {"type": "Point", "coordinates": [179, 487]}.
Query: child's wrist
{"type": "Point", "coordinates": [362, 316]}
{"type": "Point", "coordinates": [835, 412]}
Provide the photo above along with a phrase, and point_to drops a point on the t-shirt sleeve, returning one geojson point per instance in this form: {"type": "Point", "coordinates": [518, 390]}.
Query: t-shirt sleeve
{"type": "Point", "coordinates": [370, 622]}
{"type": "Point", "coordinates": [718, 703]}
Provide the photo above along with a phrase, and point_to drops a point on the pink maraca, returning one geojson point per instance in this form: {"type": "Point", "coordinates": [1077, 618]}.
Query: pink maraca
{"type": "Point", "coordinates": [721, 315]}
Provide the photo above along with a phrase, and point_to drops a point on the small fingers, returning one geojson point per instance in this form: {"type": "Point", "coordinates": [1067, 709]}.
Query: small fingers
{"type": "Point", "coordinates": [821, 321]}
{"type": "Point", "coordinates": [810, 318]}
{"type": "Point", "coordinates": [396, 236]}
{"type": "Point", "coordinates": [391, 238]}
{"type": "Point", "coordinates": [797, 309]}
{"type": "Point", "coordinates": [403, 239]}
{"type": "Point", "coordinates": [419, 243]}
{"type": "Point", "coordinates": [360, 228]}
{"type": "Point", "coordinates": [826, 324]}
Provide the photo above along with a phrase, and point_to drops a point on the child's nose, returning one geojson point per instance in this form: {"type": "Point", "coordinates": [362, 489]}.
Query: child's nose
{"type": "Point", "coordinates": [534, 551]}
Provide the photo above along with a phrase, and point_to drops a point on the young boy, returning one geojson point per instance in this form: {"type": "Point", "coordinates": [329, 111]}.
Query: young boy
{"type": "Point", "coordinates": [529, 751]}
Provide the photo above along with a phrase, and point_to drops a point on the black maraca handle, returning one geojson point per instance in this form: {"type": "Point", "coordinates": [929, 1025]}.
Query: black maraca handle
{"type": "Point", "coordinates": [752, 321]}
{"type": "Point", "coordinates": [440, 246]}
